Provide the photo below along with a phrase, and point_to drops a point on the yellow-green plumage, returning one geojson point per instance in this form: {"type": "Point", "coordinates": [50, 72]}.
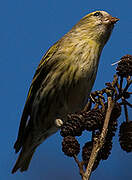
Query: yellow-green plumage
{"type": "Point", "coordinates": [62, 82]}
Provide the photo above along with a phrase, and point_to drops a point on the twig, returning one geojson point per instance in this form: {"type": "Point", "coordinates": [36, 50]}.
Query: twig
{"type": "Point", "coordinates": [80, 165]}
{"type": "Point", "coordinates": [129, 82]}
{"type": "Point", "coordinates": [125, 110]}
{"type": "Point", "coordinates": [129, 92]}
{"type": "Point", "coordinates": [87, 106]}
{"type": "Point", "coordinates": [121, 82]}
{"type": "Point", "coordinates": [126, 102]}
{"type": "Point", "coordinates": [100, 141]}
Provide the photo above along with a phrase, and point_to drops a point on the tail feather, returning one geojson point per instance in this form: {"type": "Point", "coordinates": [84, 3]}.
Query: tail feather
{"type": "Point", "coordinates": [25, 155]}
{"type": "Point", "coordinates": [23, 163]}
{"type": "Point", "coordinates": [28, 148]}
{"type": "Point", "coordinates": [26, 163]}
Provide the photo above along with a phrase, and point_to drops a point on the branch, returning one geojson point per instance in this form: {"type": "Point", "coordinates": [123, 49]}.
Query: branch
{"type": "Point", "coordinates": [80, 165]}
{"type": "Point", "coordinates": [125, 109]}
{"type": "Point", "coordinates": [98, 143]}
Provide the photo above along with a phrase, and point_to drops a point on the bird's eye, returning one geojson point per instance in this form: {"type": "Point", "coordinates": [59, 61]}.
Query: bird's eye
{"type": "Point", "coordinates": [97, 14]}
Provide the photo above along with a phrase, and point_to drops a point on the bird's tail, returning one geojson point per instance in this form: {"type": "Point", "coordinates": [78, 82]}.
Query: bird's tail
{"type": "Point", "coordinates": [25, 155]}
{"type": "Point", "coordinates": [28, 146]}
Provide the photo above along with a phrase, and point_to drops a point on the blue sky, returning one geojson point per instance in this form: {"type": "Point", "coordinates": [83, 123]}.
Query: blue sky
{"type": "Point", "coordinates": [27, 30]}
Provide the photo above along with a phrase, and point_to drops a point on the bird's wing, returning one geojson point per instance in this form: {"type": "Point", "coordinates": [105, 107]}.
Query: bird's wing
{"type": "Point", "coordinates": [40, 74]}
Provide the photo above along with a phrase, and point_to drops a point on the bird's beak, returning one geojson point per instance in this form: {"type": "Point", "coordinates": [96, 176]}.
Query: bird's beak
{"type": "Point", "coordinates": [110, 20]}
{"type": "Point", "coordinates": [113, 20]}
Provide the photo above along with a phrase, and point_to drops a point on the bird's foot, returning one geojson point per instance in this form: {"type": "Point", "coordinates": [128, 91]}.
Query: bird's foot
{"type": "Point", "coordinates": [58, 123]}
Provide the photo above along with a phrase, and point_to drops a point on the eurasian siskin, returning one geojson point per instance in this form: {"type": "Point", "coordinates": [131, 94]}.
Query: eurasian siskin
{"type": "Point", "coordinates": [62, 82]}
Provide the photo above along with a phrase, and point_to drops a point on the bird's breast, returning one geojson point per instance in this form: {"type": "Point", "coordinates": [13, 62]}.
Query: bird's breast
{"type": "Point", "coordinates": [80, 90]}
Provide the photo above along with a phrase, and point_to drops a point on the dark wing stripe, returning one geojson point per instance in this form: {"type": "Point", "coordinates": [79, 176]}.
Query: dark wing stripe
{"type": "Point", "coordinates": [24, 118]}
{"type": "Point", "coordinates": [39, 76]}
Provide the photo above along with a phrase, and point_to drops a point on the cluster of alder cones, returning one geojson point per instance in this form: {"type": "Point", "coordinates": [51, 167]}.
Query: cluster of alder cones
{"type": "Point", "coordinates": [92, 119]}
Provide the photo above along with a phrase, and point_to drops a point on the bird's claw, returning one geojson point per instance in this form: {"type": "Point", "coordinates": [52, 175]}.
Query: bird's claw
{"type": "Point", "coordinates": [58, 123]}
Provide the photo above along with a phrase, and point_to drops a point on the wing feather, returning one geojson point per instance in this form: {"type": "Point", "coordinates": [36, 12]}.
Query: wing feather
{"type": "Point", "coordinates": [40, 74]}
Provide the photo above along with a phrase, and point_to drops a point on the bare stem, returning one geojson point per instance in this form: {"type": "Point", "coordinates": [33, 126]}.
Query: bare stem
{"type": "Point", "coordinates": [125, 110]}
{"type": "Point", "coordinates": [88, 106]}
{"type": "Point", "coordinates": [99, 142]}
{"type": "Point", "coordinates": [129, 82]}
{"type": "Point", "coordinates": [121, 82]}
{"type": "Point", "coordinates": [80, 165]}
{"type": "Point", "coordinates": [128, 104]}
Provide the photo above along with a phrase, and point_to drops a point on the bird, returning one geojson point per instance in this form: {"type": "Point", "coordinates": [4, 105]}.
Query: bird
{"type": "Point", "coordinates": [62, 83]}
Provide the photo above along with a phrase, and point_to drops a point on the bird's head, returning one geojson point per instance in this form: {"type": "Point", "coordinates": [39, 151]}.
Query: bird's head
{"type": "Point", "coordinates": [97, 25]}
